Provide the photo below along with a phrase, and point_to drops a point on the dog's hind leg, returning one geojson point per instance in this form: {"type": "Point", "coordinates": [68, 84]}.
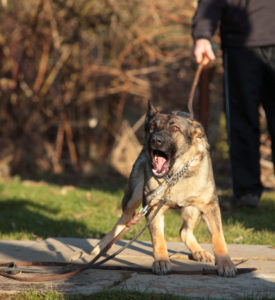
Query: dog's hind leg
{"type": "Point", "coordinates": [191, 216]}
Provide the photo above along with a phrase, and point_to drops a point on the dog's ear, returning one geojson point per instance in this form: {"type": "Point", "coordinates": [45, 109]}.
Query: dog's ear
{"type": "Point", "coordinates": [150, 113]}
{"type": "Point", "coordinates": [151, 109]}
{"type": "Point", "coordinates": [197, 130]}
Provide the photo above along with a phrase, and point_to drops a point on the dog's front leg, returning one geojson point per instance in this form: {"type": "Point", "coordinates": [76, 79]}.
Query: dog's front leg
{"type": "Point", "coordinates": [212, 217]}
{"type": "Point", "coordinates": [161, 263]}
{"type": "Point", "coordinates": [131, 201]}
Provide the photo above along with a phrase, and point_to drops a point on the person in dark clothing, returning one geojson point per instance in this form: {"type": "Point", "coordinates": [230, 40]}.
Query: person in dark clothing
{"type": "Point", "coordinates": [247, 30]}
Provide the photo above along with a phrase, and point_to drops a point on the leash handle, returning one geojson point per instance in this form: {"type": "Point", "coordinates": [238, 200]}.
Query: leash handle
{"type": "Point", "coordinates": [204, 61]}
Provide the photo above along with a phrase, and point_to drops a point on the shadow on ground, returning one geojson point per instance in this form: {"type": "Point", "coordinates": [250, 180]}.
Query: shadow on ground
{"type": "Point", "coordinates": [140, 255]}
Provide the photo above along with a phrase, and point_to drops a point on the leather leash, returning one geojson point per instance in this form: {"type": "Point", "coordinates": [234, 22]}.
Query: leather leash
{"type": "Point", "coordinates": [82, 267]}
{"type": "Point", "coordinates": [193, 88]}
{"type": "Point", "coordinates": [92, 263]}
{"type": "Point", "coordinates": [11, 267]}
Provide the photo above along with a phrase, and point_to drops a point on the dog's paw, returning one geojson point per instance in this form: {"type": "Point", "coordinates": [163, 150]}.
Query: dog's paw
{"type": "Point", "coordinates": [161, 267]}
{"type": "Point", "coordinates": [203, 256]}
{"type": "Point", "coordinates": [225, 266]}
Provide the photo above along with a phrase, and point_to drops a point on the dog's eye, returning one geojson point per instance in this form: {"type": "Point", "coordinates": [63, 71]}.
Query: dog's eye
{"type": "Point", "coordinates": [152, 127]}
{"type": "Point", "coordinates": [175, 128]}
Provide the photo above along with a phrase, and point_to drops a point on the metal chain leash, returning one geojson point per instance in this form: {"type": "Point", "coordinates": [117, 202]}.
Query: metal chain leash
{"type": "Point", "coordinates": [169, 181]}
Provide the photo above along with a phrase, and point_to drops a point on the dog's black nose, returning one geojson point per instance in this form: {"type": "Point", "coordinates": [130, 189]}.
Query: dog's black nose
{"type": "Point", "coordinates": [157, 140]}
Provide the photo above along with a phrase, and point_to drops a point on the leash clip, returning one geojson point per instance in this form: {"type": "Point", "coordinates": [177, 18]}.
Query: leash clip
{"type": "Point", "coordinates": [144, 210]}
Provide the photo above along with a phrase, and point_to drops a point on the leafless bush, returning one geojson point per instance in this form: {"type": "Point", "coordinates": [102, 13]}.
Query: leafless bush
{"type": "Point", "coordinates": [68, 68]}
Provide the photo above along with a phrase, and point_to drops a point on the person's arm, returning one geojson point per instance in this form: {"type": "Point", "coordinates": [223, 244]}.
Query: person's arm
{"type": "Point", "coordinates": [205, 22]}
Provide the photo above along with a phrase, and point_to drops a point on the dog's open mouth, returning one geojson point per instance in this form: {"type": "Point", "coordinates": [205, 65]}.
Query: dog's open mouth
{"type": "Point", "coordinates": [160, 163]}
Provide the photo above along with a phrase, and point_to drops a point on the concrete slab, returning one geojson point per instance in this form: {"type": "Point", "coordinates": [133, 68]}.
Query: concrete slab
{"type": "Point", "coordinates": [258, 284]}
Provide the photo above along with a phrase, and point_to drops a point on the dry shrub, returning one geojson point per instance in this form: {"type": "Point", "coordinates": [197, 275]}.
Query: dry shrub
{"type": "Point", "coordinates": [69, 68]}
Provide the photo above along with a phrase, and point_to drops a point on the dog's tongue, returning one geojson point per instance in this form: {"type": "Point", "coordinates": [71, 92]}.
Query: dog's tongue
{"type": "Point", "coordinates": [160, 164]}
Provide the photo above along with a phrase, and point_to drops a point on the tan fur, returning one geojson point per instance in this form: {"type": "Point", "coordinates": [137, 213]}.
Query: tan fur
{"type": "Point", "coordinates": [194, 193]}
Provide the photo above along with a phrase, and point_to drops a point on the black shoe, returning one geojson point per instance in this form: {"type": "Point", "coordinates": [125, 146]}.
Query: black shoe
{"type": "Point", "coordinates": [248, 200]}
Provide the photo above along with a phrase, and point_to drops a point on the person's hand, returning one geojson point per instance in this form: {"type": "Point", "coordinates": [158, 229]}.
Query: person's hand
{"type": "Point", "coordinates": [203, 51]}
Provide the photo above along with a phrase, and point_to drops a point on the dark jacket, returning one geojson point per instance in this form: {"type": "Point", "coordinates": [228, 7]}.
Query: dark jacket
{"type": "Point", "coordinates": [242, 22]}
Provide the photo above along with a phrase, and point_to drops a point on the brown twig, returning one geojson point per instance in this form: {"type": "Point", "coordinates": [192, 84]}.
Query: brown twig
{"type": "Point", "coordinates": [69, 139]}
{"type": "Point", "coordinates": [42, 67]}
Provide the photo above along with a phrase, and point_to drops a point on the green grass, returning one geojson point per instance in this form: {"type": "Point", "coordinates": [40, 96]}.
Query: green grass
{"type": "Point", "coordinates": [37, 210]}
{"type": "Point", "coordinates": [33, 210]}
{"type": "Point", "coordinates": [108, 295]}
{"type": "Point", "coordinates": [104, 295]}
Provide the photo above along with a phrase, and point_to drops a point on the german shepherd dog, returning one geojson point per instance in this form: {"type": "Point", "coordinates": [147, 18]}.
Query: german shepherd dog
{"type": "Point", "coordinates": [174, 143]}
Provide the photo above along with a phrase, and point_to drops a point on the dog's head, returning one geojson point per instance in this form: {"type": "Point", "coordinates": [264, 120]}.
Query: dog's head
{"type": "Point", "coordinates": [168, 138]}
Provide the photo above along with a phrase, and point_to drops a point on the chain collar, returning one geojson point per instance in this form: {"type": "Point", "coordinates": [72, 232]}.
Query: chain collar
{"type": "Point", "coordinates": [174, 178]}
{"type": "Point", "coordinates": [168, 183]}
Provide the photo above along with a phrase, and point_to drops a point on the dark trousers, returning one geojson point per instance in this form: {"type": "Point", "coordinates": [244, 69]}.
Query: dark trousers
{"type": "Point", "coordinates": [249, 80]}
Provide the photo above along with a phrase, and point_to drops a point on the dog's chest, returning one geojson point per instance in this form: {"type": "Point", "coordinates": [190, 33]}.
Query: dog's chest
{"type": "Point", "coordinates": [175, 195]}
{"type": "Point", "coordinates": [188, 191]}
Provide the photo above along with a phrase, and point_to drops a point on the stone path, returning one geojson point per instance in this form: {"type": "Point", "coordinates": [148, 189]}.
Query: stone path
{"type": "Point", "coordinates": [259, 283]}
